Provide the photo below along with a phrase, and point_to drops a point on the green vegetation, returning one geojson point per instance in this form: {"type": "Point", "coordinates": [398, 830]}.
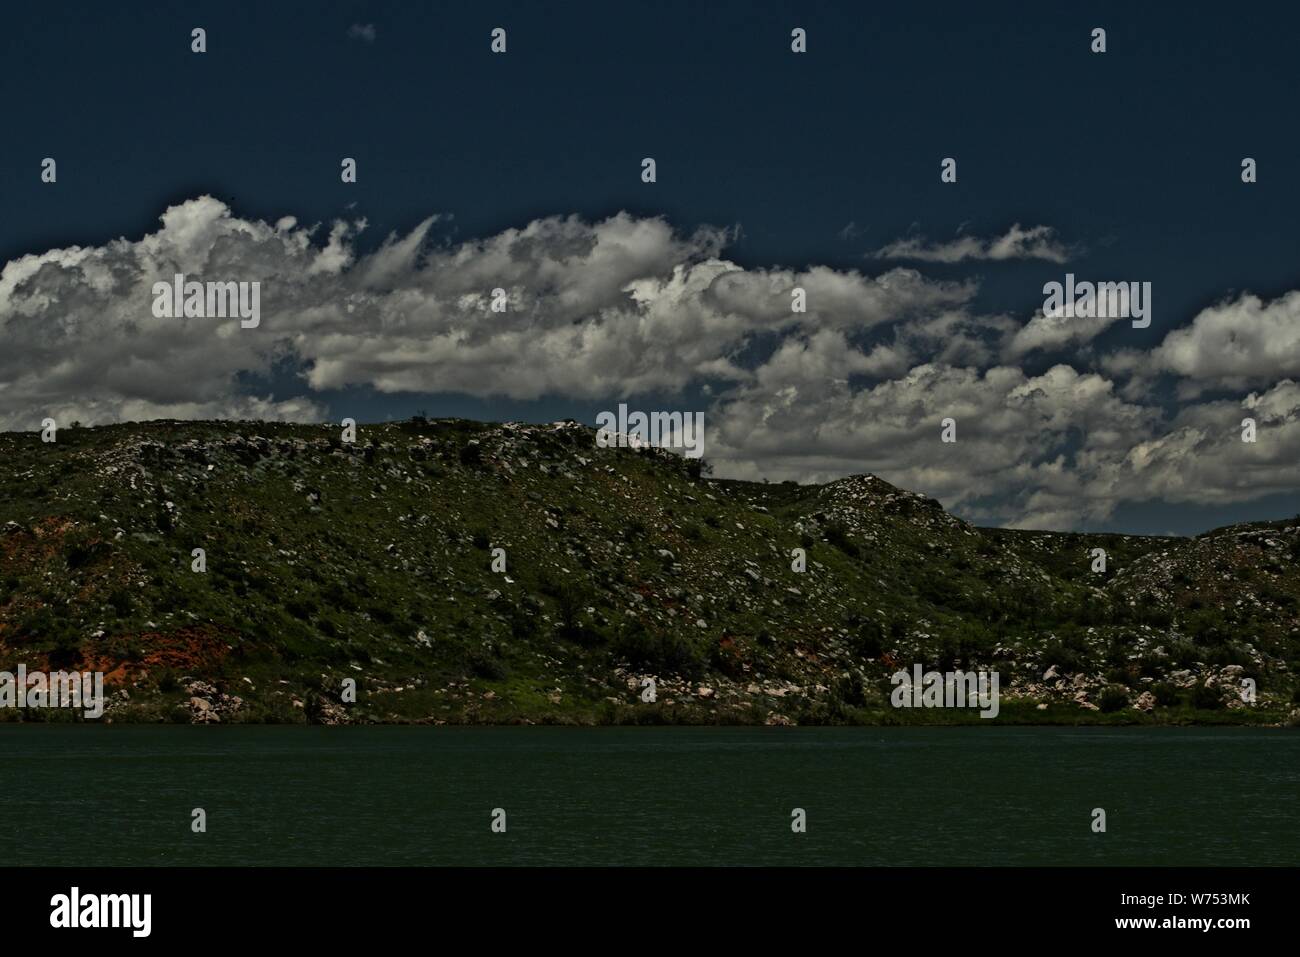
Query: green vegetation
{"type": "Point", "coordinates": [372, 561]}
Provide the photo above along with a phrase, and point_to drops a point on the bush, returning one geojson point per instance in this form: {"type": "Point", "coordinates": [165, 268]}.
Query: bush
{"type": "Point", "coordinates": [523, 621]}
{"type": "Point", "coordinates": [1113, 698]}
{"type": "Point", "coordinates": [869, 639]}
{"type": "Point", "coordinates": [1119, 676]}
{"type": "Point", "coordinates": [571, 599]}
{"type": "Point", "coordinates": [697, 468]}
{"type": "Point", "coordinates": [1183, 653]}
{"type": "Point", "coordinates": [44, 625]}
{"type": "Point", "coordinates": [82, 553]}
{"type": "Point", "coordinates": [838, 536]}
{"type": "Point", "coordinates": [1206, 699]}
{"type": "Point", "coordinates": [120, 601]}
{"type": "Point", "coordinates": [471, 453]}
{"type": "Point", "coordinates": [66, 651]}
{"type": "Point", "coordinates": [662, 652]}
{"type": "Point", "coordinates": [1067, 660]}
{"type": "Point", "coordinates": [726, 658]}
{"type": "Point", "coordinates": [340, 598]}
{"type": "Point", "coordinates": [850, 690]}
{"type": "Point", "coordinates": [487, 666]}
{"type": "Point", "coordinates": [1166, 695]}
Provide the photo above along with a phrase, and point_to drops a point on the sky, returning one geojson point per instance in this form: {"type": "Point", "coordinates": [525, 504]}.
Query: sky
{"type": "Point", "coordinates": [774, 170]}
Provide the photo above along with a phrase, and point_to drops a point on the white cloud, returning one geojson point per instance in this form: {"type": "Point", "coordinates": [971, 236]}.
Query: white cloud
{"type": "Point", "coordinates": [1201, 457]}
{"type": "Point", "coordinates": [801, 419]}
{"type": "Point", "coordinates": [627, 306]}
{"type": "Point", "coordinates": [1051, 333]}
{"type": "Point", "coordinates": [1236, 343]}
{"type": "Point", "coordinates": [1034, 242]}
{"type": "Point", "coordinates": [595, 310]}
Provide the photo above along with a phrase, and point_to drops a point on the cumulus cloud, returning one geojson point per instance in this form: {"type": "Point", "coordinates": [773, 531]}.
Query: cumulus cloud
{"type": "Point", "coordinates": [801, 418]}
{"type": "Point", "coordinates": [1236, 343]}
{"type": "Point", "coordinates": [1052, 332]}
{"type": "Point", "coordinates": [1034, 242]}
{"type": "Point", "coordinates": [601, 309]}
{"type": "Point", "coordinates": [1201, 458]}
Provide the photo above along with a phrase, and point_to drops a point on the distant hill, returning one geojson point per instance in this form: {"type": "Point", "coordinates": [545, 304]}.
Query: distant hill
{"type": "Point", "coordinates": [373, 561]}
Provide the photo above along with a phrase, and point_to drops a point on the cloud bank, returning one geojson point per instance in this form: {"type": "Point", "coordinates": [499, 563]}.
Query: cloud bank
{"type": "Point", "coordinates": [626, 306]}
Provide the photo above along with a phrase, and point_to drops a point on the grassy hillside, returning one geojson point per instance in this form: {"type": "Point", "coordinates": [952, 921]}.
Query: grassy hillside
{"type": "Point", "coordinates": [373, 561]}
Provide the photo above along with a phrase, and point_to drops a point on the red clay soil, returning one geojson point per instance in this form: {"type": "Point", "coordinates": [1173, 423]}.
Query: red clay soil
{"type": "Point", "coordinates": [195, 650]}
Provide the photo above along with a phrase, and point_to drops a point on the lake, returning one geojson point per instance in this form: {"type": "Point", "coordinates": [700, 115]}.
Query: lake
{"type": "Point", "coordinates": [123, 795]}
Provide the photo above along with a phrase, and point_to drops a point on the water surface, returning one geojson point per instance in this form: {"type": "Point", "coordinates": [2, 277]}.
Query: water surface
{"type": "Point", "coordinates": [648, 796]}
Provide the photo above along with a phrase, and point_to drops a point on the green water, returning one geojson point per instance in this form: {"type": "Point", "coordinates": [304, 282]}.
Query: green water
{"type": "Point", "coordinates": [79, 795]}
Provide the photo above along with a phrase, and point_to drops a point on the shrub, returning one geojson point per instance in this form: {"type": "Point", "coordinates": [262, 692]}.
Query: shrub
{"type": "Point", "coordinates": [1113, 698]}
{"type": "Point", "coordinates": [66, 651]}
{"type": "Point", "coordinates": [838, 536]}
{"type": "Point", "coordinates": [665, 652]}
{"type": "Point", "coordinates": [471, 453]}
{"type": "Point", "coordinates": [1166, 695]}
{"type": "Point", "coordinates": [82, 553]}
{"type": "Point", "coordinates": [697, 468]}
{"type": "Point", "coordinates": [120, 601]}
{"type": "Point", "coordinates": [523, 621]}
{"type": "Point", "coordinates": [725, 657]}
{"type": "Point", "coordinates": [1119, 676]}
{"type": "Point", "coordinates": [340, 598]}
{"type": "Point", "coordinates": [301, 608]}
{"type": "Point", "coordinates": [570, 600]}
{"type": "Point", "coordinates": [850, 690]}
{"type": "Point", "coordinates": [1067, 660]}
{"type": "Point", "coordinates": [487, 666]}
{"type": "Point", "coordinates": [869, 639]}
{"type": "Point", "coordinates": [1206, 699]}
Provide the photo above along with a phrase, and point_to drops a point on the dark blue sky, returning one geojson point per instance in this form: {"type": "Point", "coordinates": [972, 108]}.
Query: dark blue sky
{"type": "Point", "coordinates": [1133, 154]}
{"type": "Point", "coordinates": [1138, 148]}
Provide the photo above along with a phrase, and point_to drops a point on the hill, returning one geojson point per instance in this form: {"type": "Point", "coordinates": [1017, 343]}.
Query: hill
{"type": "Point", "coordinates": [374, 560]}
